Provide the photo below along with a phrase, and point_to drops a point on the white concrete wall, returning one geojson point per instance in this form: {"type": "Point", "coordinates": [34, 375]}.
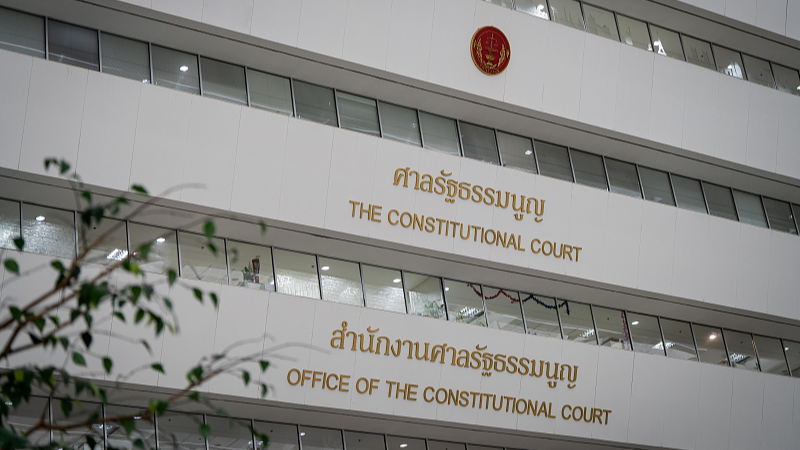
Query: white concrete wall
{"type": "Point", "coordinates": [778, 16]}
{"type": "Point", "coordinates": [272, 166]}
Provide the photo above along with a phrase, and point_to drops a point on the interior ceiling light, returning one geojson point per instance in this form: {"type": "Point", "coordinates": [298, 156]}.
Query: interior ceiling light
{"type": "Point", "coordinates": [184, 68]}
{"type": "Point", "coordinates": [713, 336]}
{"type": "Point", "coordinates": [396, 280]}
{"type": "Point", "coordinates": [160, 240]}
{"type": "Point", "coordinates": [325, 268]}
{"type": "Point", "coordinates": [403, 445]}
{"type": "Point", "coordinates": [528, 152]}
{"type": "Point", "coordinates": [635, 322]}
{"type": "Point", "coordinates": [40, 218]}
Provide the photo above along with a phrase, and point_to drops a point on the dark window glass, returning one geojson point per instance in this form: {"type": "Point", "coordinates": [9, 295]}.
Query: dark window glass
{"type": "Point", "coordinates": [720, 201]}
{"type": "Point", "coordinates": [710, 345]}
{"type": "Point", "coordinates": [315, 103]}
{"type": "Point", "coordinates": [439, 133]}
{"type": "Point", "coordinates": [792, 350]}
{"type": "Point", "coordinates": [163, 254]}
{"type": "Point", "coordinates": [180, 431]}
{"type": "Point", "coordinates": [175, 70]}
{"type": "Point", "coordinates": [358, 113]}
{"type": "Point", "coordinates": [464, 302]}
{"type": "Point", "coordinates": [780, 216]}
{"type": "Point", "coordinates": [400, 443]}
{"type": "Point", "coordinates": [9, 223]}
{"type": "Point", "coordinates": [741, 351]}
{"type": "Point", "coordinates": [341, 281]}
{"type": "Point", "coordinates": [553, 161]}
{"type": "Point", "coordinates": [758, 71]}
{"type": "Point", "coordinates": [270, 92]}
{"type": "Point", "coordinates": [74, 45]}
{"type": "Point", "coordinates": [656, 186]}
{"type": "Point", "coordinates": [125, 57]}
{"type": "Point", "coordinates": [589, 169]}
{"type": "Point", "coordinates": [770, 355]}
{"type": "Point", "coordinates": [439, 445]}
{"type": "Point", "coordinates": [48, 231]}
{"type": "Point", "coordinates": [611, 328]}
{"type": "Point", "coordinates": [577, 323]}
{"type": "Point", "coordinates": [223, 81]}
{"type": "Point", "coordinates": [634, 33]}
{"type": "Point", "coordinates": [320, 439]}
{"type": "Point", "coordinates": [364, 441]}
{"type": "Point", "coordinates": [698, 52]}
{"type": "Point", "coordinates": [622, 178]}
{"type": "Point", "coordinates": [541, 318]}
{"type": "Point", "coordinates": [645, 333]}
{"type": "Point", "coordinates": [729, 62]}
{"type": "Point", "coordinates": [118, 438]}
{"type": "Point", "coordinates": [567, 12]}
{"type": "Point", "coordinates": [281, 437]}
{"type": "Point", "coordinates": [251, 266]}
{"type": "Point", "coordinates": [400, 123]}
{"type": "Point", "coordinates": [786, 79]}
{"type": "Point", "coordinates": [25, 415]}
{"type": "Point", "coordinates": [516, 151]}
{"type": "Point", "coordinates": [666, 42]}
{"type": "Point", "coordinates": [600, 22]}
{"type": "Point", "coordinates": [296, 273]}
{"type": "Point", "coordinates": [202, 259]}
{"type": "Point", "coordinates": [75, 438]}
{"type": "Point", "coordinates": [21, 33]}
{"type": "Point", "coordinates": [425, 296]}
{"type": "Point", "coordinates": [502, 309]}
{"type": "Point", "coordinates": [536, 8]}
{"type": "Point", "coordinates": [228, 434]}
{"type": "Point", "coordinates": [113, 246]}
{"type": "Point", "coordinates": [383, 288]}
{"type": "Point", "coordinates": [678, 339]}
{"type": "Point", "coordinates": [689, 194]}
{"type": "Point", "coordinates": [749, 208]}
{"type": "Point", "coordinates": [479, 143]}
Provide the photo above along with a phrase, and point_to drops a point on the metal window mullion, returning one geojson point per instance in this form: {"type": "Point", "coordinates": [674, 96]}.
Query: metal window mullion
{"type": "Point", "coordinates": [571, 166]}
{"type": "Point", "coordinates": [405, 292]}
{"type": "Point", "coordinates": [663, 340]}
{"type": "Point", "coordinates": [275, 270]}
{"type": "Point", "coordinates": [444, 299]}
{"type": "Point", "coordinates": [735, 205]}
{"type": "Point", "coordinates": [558, 316]}
{"type": "Point", "coordinates": [485, 311]}
{"type": "Point", "coordinates": [336, 104]}
{"type": "Point", "coordinates": [535, 156]}
{"type": "Point", "coordinates": [791, 211]}
{"type": "Point", "coordinates": [755, 349]}
{"type": "Point", "coordinates": [764, 208]}
{"type": "Point", "coordinates": [299, 439]}
{"type": "Point", "coordinates": [605, 172]}
{"type": "Point", "coordinates": [641, 185]}
{"type": "Point", "coordinates": [319, 276]}
{"type": "Point", "coordinates": [205, 422]}
{"type": "Point", "coordinates": [672, 187]}
{"type": "Point", "coordinates": [21, 221]}
{"type": "Point", "coordinates": [522, 310]}
{"type": "Point", "coordinates": [247, 88]}
{"type": "Point", "coordinates": [725, 344]}
{"type": "Point", "coordinates": [694, 339]}
{"type": "Point", "coordinates": [105, 427]}
{"type": "Point", "coordinates": [155, 430]}
{"type": "Point", "coordinates": [616, 24]}
{"type": "Point", "coordinates": [419, 125]}
{"type": "Point", "coordinates": [50, 416]}
{"type": "Point", "coordinates": [200, 75]}
{"type": "Point", "coordinates": [705, 198]}
{"type": "Point", "coordinates": [497, 146]}
{"type": "Point", "coordinates": [294, 104]}
{"type": "Point", "coordinates": [380, 122]}
{"type": "Point", "coordinates": [75, 225]}
{"type": "Point", "coordinates": [363, 288]}
{"type": "Point", "coordinates": [227, 259]}
{"type": "Point", "coordinates": [650, 36]}
{"type": "Point", "coordinates": [47, 56]}
{"type": "Point", "coordinates": [99, 52]}
{"type": "Point", "coordinates": [594, 323]}
{"type": "Point", "coordinates": [683, 49]}
{"type": "Point", "coordinates": [772, 70]}
{"type": "Point", "coordinates": [460, 141]}
{"type": "Point", "coordinates": [786, 358]}
{"type": "Point", "coordinates": [253, 434]}
{"type": "Point", "coordinates": [627, 324]}
{"type": "Point", "coordinates": [344, 441]}
{"type": "Point", "coordinates": [180, 261]}
{"type": "Point", "coordinates": [128, 237]}
{"type": "Point", "coordinates": [150, 57]}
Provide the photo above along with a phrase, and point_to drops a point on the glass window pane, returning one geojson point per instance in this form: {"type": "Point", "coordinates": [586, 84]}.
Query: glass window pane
{"type": "Point", "coordinates": [439, 133]}
{"type": "Point", "coordinates": [48, 231]}
{"type": "Point", "coordinates": [741, 351]}
{"type": "Point", "coordinates": [281, 437]}
{"type": "Point", "coordinates": [125, 57]}
{"type": "Point", "coordinates": [9, 223]}
{"type": "Point", "coordinates": [112, 248]}
{"type": "Point", "coordinates": [600, 22]}
{"type": "Point", "coordinates": [163, 254]}
{"type": "Point", "coordinates": [710, 345]}
{"type": "Point", "coordinates": [440, 445]}
{"type": "Point", "coordinates": [364, 441]}
{"type": "Point", "coordinates": [666, 42]}
{"type": "Point", "coordinates": [398, 443]}
{"type": "Point", "coordinates": [425, 296]}
{"type": "Point", "coordinates": [21, 33]}
{"type": "Point", "coordinates": [749, 208]}
{"type": "Point", "coordinates": [770, 355]}
{"type": "Point", "coordinates": [296, 273]}
{"type": "Point", "coordinates": [270, 92]}
{"type": "Point", "coordinates": [464, 302]}
{"type": "Point", "coordinates": [197, 260]}
{"type": "Point", "coordinates": [383, 288]}
{"type": "Point", "coordinates": [611, 330]}
{"type": "Point", "coordinates": [537, 8]}
{"type": "Point", "coordinates": [341, 281]}
{"type": "Point", "coordinates": [73, 45]}
{"type": "Point", "coordinates": [622, 178]}
{"type": "Point", "coordinates": [223, 81]}
{"type": "Point", "coordinates": [689, 194]}
{"type": "Point", "coordinates": [479, 143]}
{"type": "Point", "coordinates": [26, 415]}
{"type": "Point", "coordinates": [76, 438]}
{"type": "Point", "coordinates": [541, 317]}
{"type": "Point", "coordinates": [180, 431]}
{"type": "Point", "coordinates": [175, 70]}
{"type": "Point", "coordinates": [320, 439]}
{"type": "Point", "coordinates": [780, 215]}
{"type": "Point", "coordinates": [228, 434]}
{"type": "Point", "coordinates": [553, 161]}
{"type": "Point", "coordinates": [729, 62]}
{"type": "Point", "coordinates": [400, 124]}
{"type": "Point", "coordinates": [645, 334]}
{"type": "Point", "coordinates": [117, 438]}
{"type": "Point", "coordinates": [567, 12]}
{"type": "Point", "coordinates": [720, 201]}
{"type": "Point", "coordinates": [516, 151]}
{"type": "Point", "coordinates": [758, 71]}
{"type": "Point", "coordinates": [656, 186]}
{"type": "Point", "coordinates": [786, 79]}
{"type": "Point", "coordinates": [502, 310]}
{"type": "Point", "coordinates": [251, 266]}
{"type": "Point", "coordinates": [589, 169]}
{"type": "Point", "coordinates": [358, 113]}
{"type": "Point", "coordinates": [792, 350]}
{"type": "Point", "coordinates": [576, 322]}
{"type": "Point", "coordinates": [315, 103]}
{"type": "Point", "coordinates": [678, 339]}
{"type": "Point", "coordinates": [698, 52]}
{"type": "Point", "coordinates": [634, 33]}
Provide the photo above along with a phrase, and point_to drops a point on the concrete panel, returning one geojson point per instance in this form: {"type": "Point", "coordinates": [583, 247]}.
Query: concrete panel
{"type": "Point", "coordinates": [771, 15]}
{"type": "Point", "coordinates": [762, 128]}
{"type": "Point", "coordinates": [754, 277]}
{"type": "Point", "coordinates": [452, 29]}
{"type": "Point", "coordinates": [322, 24]}
{"type": "Point", "coordinates": [741, 10]}
{"type": "Point", "coordinates": [563, 75]}
{"type": "Point", "coordinates": [700, 110]}
{"type": "Point", "coordinates": [730, 133]}
{"type": "Point", "coordinates": [599, 85]}
{"type": "Point", "coordinates": [656, 249]}
{"type": "Point", "coordinates": [352, 153]}
{"type": "Point", "coordinates": [366, 37]}
{"type": "Point", "coordinates": [189, 9]}
{"type": "Point", "coordinates": [746, 410]}
{"type": "Point", "coordinates": [690, 263]}
{"type": "Point", "coordinates": [713, 420]}
{"type": "Point", "coordinates": [788, 159]}
{"type": "Point", "coordinates": [525, 77]}
{"type": "Point", "coordinates": [236, 15]}
{"type": "Point", "coordinates": [409, 41]}
{"type": "Point", "coordinates": [634, 89]}
{"type": "Point", "coordinates": [15, 70]}
{"type": "Point", "coordinates": [667, 103]}
{"type": "Point", "coordinates": [276, 20]}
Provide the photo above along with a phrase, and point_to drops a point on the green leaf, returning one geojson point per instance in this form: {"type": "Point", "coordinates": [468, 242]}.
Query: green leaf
{"type": "Point", "coordinates": [138, 443]}
{"type": "Point", "coordinates": [107, 363]}
{"type": "Point", "coordinates": [58, 265]}
{"type": "Point", "coordinates": [172, 275]}
{"type": "Point", "coordinates": [66, 406]}
{"type": "Point", "coordinates": [146, 345]}
{"type": "Point", "coordinates": [19, 243]}
{"type": "Point", "coordinates": [198, 294]}
{"type": "Point", "coordinates": [212, 248]}
{"type": "Point", "coordinates": [194, 396]}
{"type": "Point", "coordinates": [263, 226]}
{"type": "Point", "coordinates": [144, 250]}
{"type": "Point", "coordinates": [246, 377]}
{"type": "Point", "coordinates": [209, 229]}
{"type": "Point", "coordinates": [158, 406]}
{"type": "Point", "coordinates": [86, 337]}
{"type": "Point", "coordinates": [130, 266]}
{"type": "Point", "coordinates": [138, 188]}
{"type": "Point", "coordinates": [40, 323]}
{"type": "Point", "coordinates": [16, 313]}
{"type": "Point", "coordinates": [263, 390]}
{"type": "Point", "coordinates": [264, 365]}
{"type": "Point", "coordinates": [215, 300]}
{"type": "Point", "coordinates": [158, 367]}
{"type": "Point", "coordinates": [205, 430]}
{"type": "Point", "coordinates": [139, 316]}
{"type": "Point", "coordinates": [128, 424]}
{"type": "Point", "coordinates": [19, 376]}
{"type": "Point", "coordinates": [195, 375]}
{"type": "Point", "coordinates": [78, 359]}
{"type": "Point", "coordinates": [87, 196]}
{"type": "Point", "coordinates": [12, 266]}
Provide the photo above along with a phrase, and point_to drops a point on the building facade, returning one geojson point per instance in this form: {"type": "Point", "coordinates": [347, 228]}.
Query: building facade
{"type": "Point", "coordinates": [596, 248]}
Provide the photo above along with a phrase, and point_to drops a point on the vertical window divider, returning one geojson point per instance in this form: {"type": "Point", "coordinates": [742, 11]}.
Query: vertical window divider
{"type": "Point", "coordinates": [363, 289]}
{"type": "Point", "coordinates": [105, 426]}
{"type": "Point", "coordinates": [319, 276]}
{"type": "Point", "coordinates": [338, 120]}
{"type": "Point", "coordinates": [583, 17]}
{"type": "Point", "coordinates": [791, 210]}
{"type": "Point", "coordinates": [766, 216]}
{"type": "Point", "coordinates": [75, 227]}
{"type": "Point", "coordinates": [497, 144]}
{"type": "Point", "coordinates": [444, 300]}
{"type": "Point", "coordinates": [128, 237]}
{"type": "Point", "coordinates": [205, 422]}
{"type": "Point", "coordinates": [535, 156]}
{"type": "Point", "coordinates": [21, 219]}
{"type": "Point", "coordinates": [380, 122]}
{"type": "Point", "coordinates": [344, 441]}
{"type": "Point", "coordinates": [594, 323]}
{"type": "Point", "coordinates": [674, 197]}
{"type": "Point", "coordinates": [755, 350]}
{"type": "Point", "coordinates": [155, 428]}
{"type": "Point", "coordinates": [50, 416]}
{"type": "Point", "coordinates": [705, 198]}
{"type": "Point", "coordinates": [460, 143]}
{"type": "Point", "coordinates": [274, 272]}
{"type": "Point", "coordinates": [735, 205]}
{"type": "Point", "coordinates": [558, 316]}
{"type": "Point", "coordinates": [294, 105]}
{"type": "Point", "coordinates": [47, 56]}
{"type": "Point", "coordinates": [385, 443]}
{"type": "Point", "coordinates": [571, 166]}
{"type": "Point", "coordinates": [178, 242]}
{"type": "Point", "coordinates": [150, 58]}
{"type": "Point", "coordinates": [485, 312]}
{"type": "Point", "coordinates": [683, 48]}
{"type": "Point", "coordinates": [725, 344]}
{"type": "Point", "coordinates": [786, 358]}
{"type": "Point", "coordinates": [772, 69]}
{"type": "Point", "coordinates": [253, 435]}
{"type": "Point", "coordinates": [605, 172]}
{"type": "Point", "coordinates": [99, 52]}
{"type": "Point", "coordinates": [200, 76]}
{"type": "Point", "coordinates": [227, 259]}
{"type": "Point", "coordinates": [421, 134]}
{"type": "Point", "coordinates": [402, 281]}
{"type": "Point", "coordinates": [522, 311]}
{"type": "Point", "coordinates": [694, 339]}
{"type": "Point", "coordinates": [650, 43]}
{"type": "Point", "coordinates": [664, 341]}
{"type": "Point", "coordinates": [641, 186]}
{"type": "Point", "coordinates": [299, 441]}
{"type": "Point", "coordinates": [247, 91]}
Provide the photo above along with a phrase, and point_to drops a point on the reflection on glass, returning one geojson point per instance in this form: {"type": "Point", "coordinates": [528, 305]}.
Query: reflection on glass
{"type": "Point", "coordinates": [611, 328]}
{"type": "Point", "coordinates": [678, 339]}
{"type": "Point", "coordinates": [75, 438]}
{"type": "Point", "coordinates": [117, 438]}
{"type": "Point", "coordinates": [400, 123]}
{"type": "Point", "coordinates": [770, 355]}
{"type": "Point", "coordinates": [645, 334]}
{"type": "Point", "coordinates": [315, 103]}
{"type": "Point", "coordinates": [666, 42]}
{"type": "Point", "coordinates": [577, 323]}
{"type": "Point", "coordinates": [710, 345]}
{"type": "Point", "coordinates": [180, 431]}
{"type": "Point", "coordinates": [541, 318]}
{"type": "Point", "coordinates": [425, 296]}
{"type": "Point", "coordinates": [383, 288]}
{"type": "Point", "coordinates": [688, 193]}
{"type": "Point", "coordinates": [780, 215]}
{"type": "Point", "coordinates": [502, 309]}
{"type": "Point", "coordinates": [26, 415]}
{"type": "Point", "coordinates": [516, 152]}
{"type": "Point", "coordinates": [740, 350]}
{"type": "Point", "coordinates": [227, 434]}
{"type": "Point", "coordinates": [341, 281]}
{"type": "Point", "coordinates": [281, 437]}
{"type": "Point", "coordinates": [175, 70]}
{"type": "Point", "coordinates": [729, 62]}
{"type": "Point", "coordinates": [589, 169]}
{"type": "Point", "coordinates": [201, 259]}
{"type": "Point", "coordinates": [786, 79]}
{"type": "Point", "coordinates": [251, 266]}
{"type": "Point", "coordinates": [536, 8]}
{"type": "Point", "coordinates": [749, 208]}
{"type": "Point", "coordinates": [163, 254]}
{"type": "Point", "coordinates": [758, 71]}
{"type": "Point", "coordinates": [439, 133]}
{"type": "Point", "coordinates": [553, 161]}
{"type": "Point", "coordinates": [320, 439]}
{"type": "Point", "coordinates": [358, 113]}
{"type": "Point", "coordinates": [720, 201]}
{"type": "Point", "coordinates": [622, 178]}
{"type": "Point", "coordinates": [364, 441]}
{"type": "Point", "coordinates": [464, 302]}
{"type": "Point", "coordinates": [9, 223]}
{"type": "Point", "coordinates": [634, 33]}
{"type": "Point", "coordinates": [655, 184]}
{"type": "Point", "coordinates": [567, 12]}
{"type": "Point", "coordinates": [113, 246]}
{"type": "Point", "coordinates": [479, 143]}
{"type": "Point", "coordinates": [21, 33]}
{"type": "Point", "coordinates": [600, 22]}
{"type": "Point", "coordinates": [698, 52]}
{"type": "Point", "coordinates": [125, 57]}
{"type": "Point", "coordinates": [73, 45]}
{"type": "Point", "coordinates": [48, 231]}
{"type": "Point", "coordinates": [792, 350]}
{"type": "Point", "coordinates": [223, 81]}
{"type": "Point", "coordinates": [296, 273]}
{"type": "Point", "coordinates": [270, 92]}
{"type": "Point", "coordinates": [400, 443]}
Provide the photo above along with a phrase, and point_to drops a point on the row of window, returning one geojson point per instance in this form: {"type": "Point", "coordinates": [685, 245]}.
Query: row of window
{"type": "Point", "coordinates": [199, 75]}
{"type": "Point", "coordinates": [52, 231]}
{"type": "Point", "coordinates": [180, 430]}
{"type": "Point", "coordinates": [601, 22]}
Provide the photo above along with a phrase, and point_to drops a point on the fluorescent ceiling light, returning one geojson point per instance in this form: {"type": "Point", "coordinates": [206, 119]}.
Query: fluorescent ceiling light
{"type": "Point", "coordinates": [184, 68]}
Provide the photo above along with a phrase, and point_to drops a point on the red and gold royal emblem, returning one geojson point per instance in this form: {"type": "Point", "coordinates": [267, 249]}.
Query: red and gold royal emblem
{"type": "Point", "coordinates": [490, 50]}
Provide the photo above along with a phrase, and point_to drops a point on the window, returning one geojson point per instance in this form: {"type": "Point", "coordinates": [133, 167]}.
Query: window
{"type": "Point", "coordinates": [611, 329]}
{"type": "Point", "coordinates": [296, 273]}
{"type": "Point", "coordinates": [553, 161]}
{"type": "Point", "coordinates": [270, 92]}
{"type": "Point", "coordinates": [439, 133]}
{"type": "Point", "coordinates": [25, 416]}
{"type": "Point", "coordinates": [634, 33]}
{"type": "Point", "coordinates": [315, 103]}
{"type": "Point", "coordinates": [163, 254]}
{"type": "Point", "coordinates": [656, 186]}
{"type": "Point", "coordinates": [600, 22]}
{"type": "Point", "coordinates": [541, 316]}
{"type": "Point", "coordinates": [786, 79]}
{"type": "Point", "coordinates": [622, 178]}
{"type": "Point", "coordinates": [223, 81]}
{"type": "Point", "coordinates": [73, 45]}
{"type": "Point", "coordinates": [749, 208]}
{"type": "Point", "coordinates": [117, 438]}
{"type": "Point", "coordinates": [383, 288]}
{"type": "Point", "coordinates": [678, 339]}
{"type": "Point", "coordinates": [688, 194]}
{"type": "Point", "coordinates": [710, 345]}
{"type": "Point", "coordinates": [341, 281]}
{"type": "Point", "coordinates": [536, 8]}
{"type": "Point", "coordinates": [21, 33]}
{"type": "Point", "coordinates": [227, 433]}
{"type": "Point", "coordinates": [201, 261]}
{"type": "Point", "coordinates": [400, 124]}
{"type": "Point", "coordinates": [502, 309]}
{"type": "Point", "coordinates": [770, 355]}
{"type": "Point", "coordinates": [281, 437]}
{"type": "Point", "coordinates": [79, 434]}
{"type": "Point", "coordinates": [397, 443]}
{"type": "Point", "coordinates": [780, 216]}
{"type": "Point", "coordinates": [358, 113]}
{"type": "Point", "coordinates": [251, 266]}
{"type": "Point", "coordinates": [567, 12]}
{"type": "Point", "coordinates": [577, 323]}
{"type": "Point", "coordinates": [9, 221]}
{"type": "Point", "coordinates": [364, 441]}
{"type": "Point", "coordinates": [113, 246]}
{"type": "Point", "coordinates": [48, 231]}
{"type": "Point", "coordinates": [516, 152]}
{"type": "Point", "coordinates": [740, 350]}
{"type": "Point", "coordinates": [720, 201]}
{"type": "Point", "coordinates": [175, 70]}
{"type": "Point", "coordinates": [589, 169]}
{"type": "Point", "coordinates": [666, 42]}
{"type": "Point", "coordinates": [125, 57]}
{"type": "Point", "coordinates": [479, 143]}
{"type": "Point", "coordinates": [464, 302]}
{"type": "Point", "coordinates": [698, 52]}
{"type": "Point", "coordinates": [320, 439]}
{"type": "Point", "coordinates": [758, 71]}
{"type": "Point", "coordinates": [729, 62]}
{"type": "Point", "coordinates": [645, 334]}
{"type": "Point", "coordinates": [792, 350]}
{"type": "Point", "coordinates": [424, 295]}
{"type": "Point", "coordinates": [180, 430]}
{"type": "Point", "coordinates": [439, 445]}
